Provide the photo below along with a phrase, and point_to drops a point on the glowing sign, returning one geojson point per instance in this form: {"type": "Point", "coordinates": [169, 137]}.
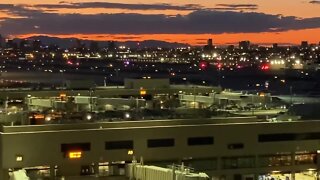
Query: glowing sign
{"type": "Point", "coordinates": [75, 155]}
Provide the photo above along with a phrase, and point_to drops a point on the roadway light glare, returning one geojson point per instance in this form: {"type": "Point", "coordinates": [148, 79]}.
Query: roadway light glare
{"type": "Point", "coordinates": [48, 118]}
{"type": "Point", "coordinates": [127, 115]}
{"type": "Point", "coordinates": [89, 117]}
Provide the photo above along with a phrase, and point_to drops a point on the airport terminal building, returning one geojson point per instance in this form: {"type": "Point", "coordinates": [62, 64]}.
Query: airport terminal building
{"type": "Point", "coordinates": [225, 149]}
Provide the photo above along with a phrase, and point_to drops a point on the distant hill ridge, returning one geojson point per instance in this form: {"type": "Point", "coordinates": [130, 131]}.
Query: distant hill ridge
{"type": "Point", "coordinates": [71, 42]}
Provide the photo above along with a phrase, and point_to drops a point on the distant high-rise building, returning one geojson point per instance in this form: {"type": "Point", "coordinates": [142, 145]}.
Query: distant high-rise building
{"type": "Point", "coordinates": [230, 47]}
{"type": "Point", "coordinates": [1, 40]}
{"type": "Point", "coordinates": [244, 45]}
{"type": "Point", "coordinates": [304, 44]}
{"type": "Point", "coordinates": [111, 46]}
{"type": "Point", "coordinates": [209, 45]}
{"type": "Point", "coordinates": [275, 46]}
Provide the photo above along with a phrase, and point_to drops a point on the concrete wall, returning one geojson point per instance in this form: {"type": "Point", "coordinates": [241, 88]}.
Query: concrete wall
{"type": "Point", "coordinates": [42, 147]}
{"type": "Point", "coordinates": [146, 83]}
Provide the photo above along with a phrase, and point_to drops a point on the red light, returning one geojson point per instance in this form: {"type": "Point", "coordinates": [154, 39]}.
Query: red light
{"type": "Point", "coordinates": [70, 63]}
{"type": "Point", "coordinates": [265, 67]}
{"type": "Point", "coordinates": [203, 65]}
{"type": "Point", "coordinates": [219, 66]}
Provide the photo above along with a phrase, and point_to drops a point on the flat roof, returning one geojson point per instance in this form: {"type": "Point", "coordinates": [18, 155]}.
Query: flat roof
{"type": "Point", "coordinates": [128, 124]}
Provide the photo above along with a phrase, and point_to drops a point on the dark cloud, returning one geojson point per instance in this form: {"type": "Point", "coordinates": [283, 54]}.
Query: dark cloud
{"type": "Point", "coordinates": [18, 10]}
{"type": "Point", "coordinates": [200, 21]}
{"type": "Point", "coordinates": [236, 7]}
{"type": "Point", "coordinates": [314, 2]}
{"type": "Point", "coordinates": [108, 5]}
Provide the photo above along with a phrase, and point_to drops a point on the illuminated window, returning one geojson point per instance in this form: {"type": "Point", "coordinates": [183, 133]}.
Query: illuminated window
{"type": "Point", "coordinates": [75, 155]}
{"type": "Point", "coordinates": [19, 158]}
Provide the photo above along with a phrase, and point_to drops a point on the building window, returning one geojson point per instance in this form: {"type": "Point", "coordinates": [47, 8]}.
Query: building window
{"type": "Point", "coordinates": [305, 158]}
{"type": "Point", "coordinates": [202, 164]}
{"type": "Point", "coordinates": [236, 146]}
{"type": "Point", "coordinates": [288, 137]}
{"type": "Point", "coordinates": [238, 162]}
{"type": "Point", "coordinates": [275, 160]}
{"type": "Point", "coordinates": [74, 150]}
{"type": "Point", "coordinates": [153, 143]}
{"type": "Point", "coordinates": [75, 147]}
{"type": "Point", "coordinates": [197, 141]}
{"type": "Point", "coordinates": [112, 145]}
{"type": "Point", "coordinates": [276, 137]}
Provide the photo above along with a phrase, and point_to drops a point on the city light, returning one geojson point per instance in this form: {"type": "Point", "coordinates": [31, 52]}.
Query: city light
{"type": "Point", "coordinates": [75, 155]}
{"type": "Point", "coordinates": [19, 158]}
{"type": "Point", "coordinates": [89, 117]}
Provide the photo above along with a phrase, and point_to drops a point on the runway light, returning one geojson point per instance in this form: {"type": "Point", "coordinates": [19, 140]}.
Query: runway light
{"type": "Point", "coordinates": [75, 155]}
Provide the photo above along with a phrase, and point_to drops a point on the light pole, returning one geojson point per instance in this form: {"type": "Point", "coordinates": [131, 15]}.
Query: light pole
{"type": "Point", "coordinates": [291, 95]}
{"type": "Point", "coordinates": [194, 97]}
{"type": "Point", "coordinates": [91, 103]}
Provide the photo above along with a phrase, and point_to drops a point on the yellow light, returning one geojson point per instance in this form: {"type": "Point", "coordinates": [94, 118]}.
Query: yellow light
{"type": "Point", "coordinates": [130, 152]}
{"type": "Point", "coordinates": [75, 155]}
{"type": "Point", "coordinates": [19, 158]}
{"type": "Point", "coordinates": [275, 172]}
{"type": "Point", "coordinates": [143, 92]}
{"type": "Point", "coordinates": [262, 95]}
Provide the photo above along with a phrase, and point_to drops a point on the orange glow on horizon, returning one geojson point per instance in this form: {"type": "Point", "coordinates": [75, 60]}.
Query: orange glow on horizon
{"type": "Point", "coordinates": [286, 37]}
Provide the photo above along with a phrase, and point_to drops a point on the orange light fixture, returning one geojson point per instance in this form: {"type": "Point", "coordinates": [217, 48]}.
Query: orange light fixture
{"type": "Point", "coordinates": [75, 155]}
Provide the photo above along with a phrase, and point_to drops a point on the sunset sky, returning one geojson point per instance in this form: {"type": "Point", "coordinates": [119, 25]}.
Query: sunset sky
{"type": "Point", "coordinates": [186, 21]}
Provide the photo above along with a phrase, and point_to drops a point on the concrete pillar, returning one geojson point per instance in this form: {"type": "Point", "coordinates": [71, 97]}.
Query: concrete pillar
{"type": "Point", "coordinates": [173, 172]}
{"type": "Point", "coordinates": [256, 164]}
{"type": "Point", "coordinates": [293, 175]}
{"type": "Point", "coordinates": [96, 169]}
{"type": "Point", "coordinates": [293, 158]}
{"type": "Point", "coordinates": [219, 165]}
{"type": "Point", "coordinates": [52, 172]}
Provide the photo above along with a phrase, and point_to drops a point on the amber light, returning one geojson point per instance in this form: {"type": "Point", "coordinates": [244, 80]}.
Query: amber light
{"type": "Point", "coordinates": [75, 155]}
{"type": "Point", "coordinates": [143, 92]}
